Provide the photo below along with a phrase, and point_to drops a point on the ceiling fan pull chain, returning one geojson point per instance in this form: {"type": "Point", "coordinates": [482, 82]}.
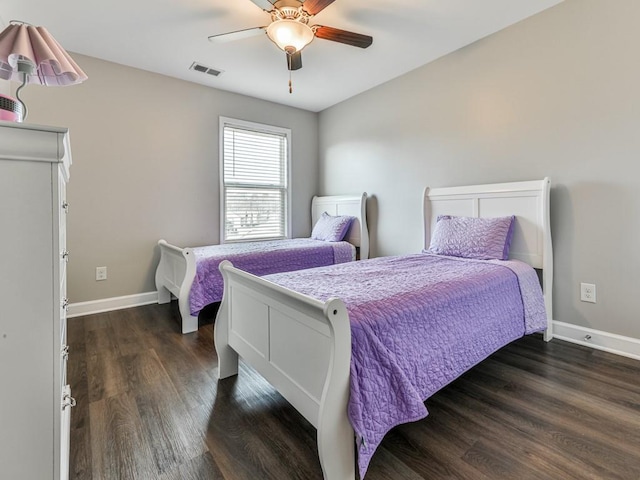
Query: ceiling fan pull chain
{"type": "Point", "coordinates": [290, 84]}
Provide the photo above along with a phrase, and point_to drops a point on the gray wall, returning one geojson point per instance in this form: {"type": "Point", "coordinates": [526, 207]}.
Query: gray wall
{"type": "Point", "coordinates": [556, 95]}
{"type": "Point", "coordinates": [145, 167]}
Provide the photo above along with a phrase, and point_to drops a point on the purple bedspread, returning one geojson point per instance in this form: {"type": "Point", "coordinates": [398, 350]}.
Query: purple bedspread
{"type": "Point", "coordinates": [260, 258]}
{"type": "Point", "coordinates": [417, 323]}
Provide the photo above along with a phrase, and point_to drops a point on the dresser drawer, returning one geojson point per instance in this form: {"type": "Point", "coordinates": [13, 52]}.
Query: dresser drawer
{"type": "Point", "coordinates": [63, 311]}
{"type": "Point", "coordinates": [63, 274]}
{"type": "Point", "coordinates": [67, 404]}
{"type": "Point", "coordinates": [64, 260]}
{"type": "Point", "coordinates": [63, 331]}
{"type": "Point", "coordinates": [64, 359]}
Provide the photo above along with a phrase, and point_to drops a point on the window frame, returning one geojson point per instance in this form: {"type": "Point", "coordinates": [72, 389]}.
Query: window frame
{"type": "Point", "coordinates": [262, 128]}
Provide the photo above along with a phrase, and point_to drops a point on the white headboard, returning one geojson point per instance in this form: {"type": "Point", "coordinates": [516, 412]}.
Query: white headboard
{"type": "Point", "coordinates": [528, 201]}
{"type": "Point", "coordinates": [354, 205]}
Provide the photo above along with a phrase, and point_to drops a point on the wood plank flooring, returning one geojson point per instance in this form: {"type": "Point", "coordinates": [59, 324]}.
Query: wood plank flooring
{"type": "Point", "coordinates": [149, 407]}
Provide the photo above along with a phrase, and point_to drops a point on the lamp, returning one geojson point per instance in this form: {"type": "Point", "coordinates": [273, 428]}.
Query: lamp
{"type": "Point", "coordinates": [290, 35]}
{"type": "Point", "coordinates": [30, 54]}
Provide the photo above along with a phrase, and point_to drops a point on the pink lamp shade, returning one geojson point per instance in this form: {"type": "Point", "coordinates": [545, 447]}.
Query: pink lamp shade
{"type": "Point", "coordinates": [51, 64]}
{"type": "Point", "coordinates": [31, 55]}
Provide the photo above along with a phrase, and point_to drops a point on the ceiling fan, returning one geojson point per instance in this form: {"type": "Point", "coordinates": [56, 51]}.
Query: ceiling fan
{"type": "Point", "coordinates": [290, 30]}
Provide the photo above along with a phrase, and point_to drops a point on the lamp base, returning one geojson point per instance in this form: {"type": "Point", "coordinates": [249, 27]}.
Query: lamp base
{"type": "Point", "coordinates": [10, 109]}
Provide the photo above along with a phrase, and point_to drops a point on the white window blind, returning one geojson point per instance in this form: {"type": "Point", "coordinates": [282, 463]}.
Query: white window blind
{"type": "Point", "coordinates": [254, 182]}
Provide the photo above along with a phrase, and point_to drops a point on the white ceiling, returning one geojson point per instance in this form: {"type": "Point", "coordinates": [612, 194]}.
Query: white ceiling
{"type": "Point", "coordinates": [167, 36]}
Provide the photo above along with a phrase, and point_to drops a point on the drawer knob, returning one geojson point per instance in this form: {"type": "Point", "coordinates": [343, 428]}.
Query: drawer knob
{"type": "Point", "coordinates": [68, 401]}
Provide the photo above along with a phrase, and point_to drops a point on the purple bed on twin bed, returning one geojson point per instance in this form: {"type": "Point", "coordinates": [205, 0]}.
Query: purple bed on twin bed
{"type": "Point", "coordinates": [417, 323]}
{"type": "Point", "coordinates": [191, 274]}
{"type": "Point", "coordinates": [357, 348]}
{"type": "Point", "coordinates": [260, 258]}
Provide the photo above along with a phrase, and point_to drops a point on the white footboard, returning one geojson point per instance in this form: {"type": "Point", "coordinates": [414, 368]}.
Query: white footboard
{"type": "Point", "coordinates": [302, 347]}
{"type": "Point", "coordinates": [174, 275]}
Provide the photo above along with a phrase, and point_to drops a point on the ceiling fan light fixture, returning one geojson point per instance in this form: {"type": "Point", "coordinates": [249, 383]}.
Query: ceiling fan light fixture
{"type": "Point", "coordinates": [288, 33]}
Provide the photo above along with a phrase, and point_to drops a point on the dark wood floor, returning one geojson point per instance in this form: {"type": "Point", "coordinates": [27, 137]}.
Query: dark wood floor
{"type": "Point", "coordinates": [149, 407]}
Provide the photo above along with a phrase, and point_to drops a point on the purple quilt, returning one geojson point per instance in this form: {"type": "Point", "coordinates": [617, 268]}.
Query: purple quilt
{"type": "Point", "coordinates": [260, 258]}
{"type": "Point", "coordinates": [417, 323]}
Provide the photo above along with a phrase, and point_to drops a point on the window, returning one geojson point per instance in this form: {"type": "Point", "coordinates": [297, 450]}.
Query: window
{"type": "Point", "coordinates": [254, 181]}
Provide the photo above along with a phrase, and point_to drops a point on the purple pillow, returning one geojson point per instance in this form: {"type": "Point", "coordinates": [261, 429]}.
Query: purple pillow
{"type": "Point", "coordinates": [481, 238]}
{"type": "Point", "coordinates": [330, 228]}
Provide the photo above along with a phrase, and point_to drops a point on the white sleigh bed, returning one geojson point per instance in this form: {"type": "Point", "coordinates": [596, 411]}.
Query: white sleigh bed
{"type": "Point", "coordinates": [302, 346]}
{"type": "Point", "coordinates": [177, 267]}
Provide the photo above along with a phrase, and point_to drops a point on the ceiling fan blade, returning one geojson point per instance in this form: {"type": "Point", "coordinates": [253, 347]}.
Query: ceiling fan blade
{"type": "Point", "coordinates": [294, 61]}
{"type": "Point", "coordinates": [264, 4]}
{"type": "Point", "coordinates": [342, 36]}
{"type": "Point", "coordinates": [237, 35]}
{"type": "Point", "coordinates": [313, 7]}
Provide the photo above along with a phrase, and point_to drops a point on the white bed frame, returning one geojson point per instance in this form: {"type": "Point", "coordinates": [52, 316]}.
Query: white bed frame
{"type": "Point", "coordinates": [303, 346]}
{"type": "Point", "coordinates": [528, 201]}
{"type": "Point", "coordinates": [177, 267]}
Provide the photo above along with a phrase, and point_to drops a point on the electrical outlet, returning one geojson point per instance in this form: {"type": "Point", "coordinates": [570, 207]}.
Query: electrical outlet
{"type": "Point", "coordinates": [588, 292]}
{"type": "Point", "coordinates": [101, 273]}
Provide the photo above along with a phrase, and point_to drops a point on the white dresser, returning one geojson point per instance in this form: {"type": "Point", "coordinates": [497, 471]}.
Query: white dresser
{"type": "Point", "coordinates": [35, 400]}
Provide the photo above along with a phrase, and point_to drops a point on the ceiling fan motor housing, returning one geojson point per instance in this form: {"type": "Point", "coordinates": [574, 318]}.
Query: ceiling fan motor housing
{"type": "Point", "coordinates": [295, 4]}
{"type": "Point", "coordinates": [296, 13]}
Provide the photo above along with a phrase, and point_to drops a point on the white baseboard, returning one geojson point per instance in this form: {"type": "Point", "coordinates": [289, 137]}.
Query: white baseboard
{"type": "Point", "coordinates": [609, 342]}
{"type": "Point", "coordinates": [110, 304]}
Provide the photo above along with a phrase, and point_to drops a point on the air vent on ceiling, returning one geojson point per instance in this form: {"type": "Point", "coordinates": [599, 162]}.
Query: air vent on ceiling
{"type": "Point", "coordinates": [198, 67]}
